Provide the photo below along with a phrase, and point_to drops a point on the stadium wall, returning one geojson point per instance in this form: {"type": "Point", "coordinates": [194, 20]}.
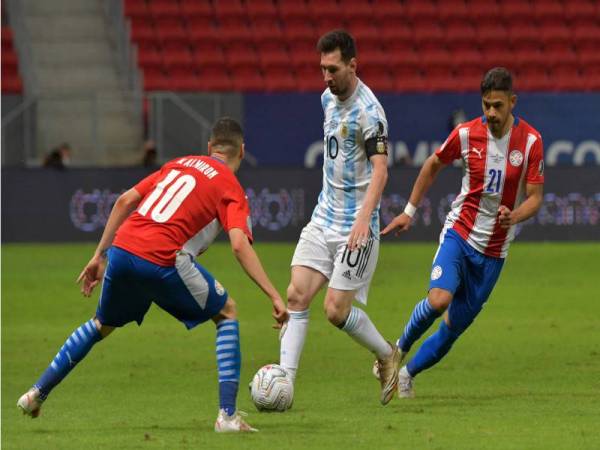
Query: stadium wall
{"type": "Point", "coordinates": [43, 205]}
{"type": "Point", "coordinates": [569, 124]}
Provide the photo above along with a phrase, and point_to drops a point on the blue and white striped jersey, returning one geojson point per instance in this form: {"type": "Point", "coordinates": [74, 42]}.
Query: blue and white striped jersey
{"type": "Point", "coordinates": [346, 169]}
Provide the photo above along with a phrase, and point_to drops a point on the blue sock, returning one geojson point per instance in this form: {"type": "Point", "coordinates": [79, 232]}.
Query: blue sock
{"type": "Point", "coordinates": [74, 350]}
{"type": "Point", "coordinates": [433, 349]}
{"type": "Point", "coordinates": [420, 320]}
{"type": "Point", "coordinates": [228, 363]}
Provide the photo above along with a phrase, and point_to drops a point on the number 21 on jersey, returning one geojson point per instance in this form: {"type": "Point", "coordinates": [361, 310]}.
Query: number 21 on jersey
{"type": "Point", "coordinates": [163, 204]}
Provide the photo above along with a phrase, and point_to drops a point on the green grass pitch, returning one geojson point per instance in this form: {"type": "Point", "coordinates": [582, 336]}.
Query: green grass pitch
{"type": "Point", "coordinates": [526, 375]}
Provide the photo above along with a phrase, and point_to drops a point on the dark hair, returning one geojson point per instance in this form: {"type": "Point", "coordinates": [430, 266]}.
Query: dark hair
{"type": "Point", "coordinates": [335, 39]}
{"type": "Point", "coordinates": [497, 79]}
{"type": "Point", "coordinates": [228, 134]}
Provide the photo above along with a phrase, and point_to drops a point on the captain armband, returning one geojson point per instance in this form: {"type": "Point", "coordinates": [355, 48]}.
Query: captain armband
{"type": "Point", "coordinates": [376, 146]}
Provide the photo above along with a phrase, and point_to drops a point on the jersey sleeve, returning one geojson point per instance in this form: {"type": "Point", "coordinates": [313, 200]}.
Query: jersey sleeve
{"type": "Point", "coordinates": [373, 123]}
{"type": "Point", "coordinates": [234, 211]}
{"type": "Point", "coordinates": [450, 149]}
{"type": "Point", "coordinates": [148, 183]}
{"type": "Point", "coordinates": [535, 163]}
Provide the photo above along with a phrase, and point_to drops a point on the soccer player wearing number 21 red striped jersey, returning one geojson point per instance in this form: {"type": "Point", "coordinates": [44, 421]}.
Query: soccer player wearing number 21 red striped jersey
{"type": "Point", "coordinates": [148, 249]}
{"type": "Point", "coordinates": [502, 185]}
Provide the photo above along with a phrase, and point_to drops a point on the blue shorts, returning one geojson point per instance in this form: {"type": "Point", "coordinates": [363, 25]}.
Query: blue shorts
{"type": "Point", "coordinates": [186, 290]}
{"type": "Point", "coordinates": [469, 275]}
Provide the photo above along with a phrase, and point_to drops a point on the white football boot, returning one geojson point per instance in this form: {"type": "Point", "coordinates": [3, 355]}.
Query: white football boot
{"type": "Point", "coordinates": [405, 384]}
{"type": "Point", "coordinates": [232, 424]}
{"type": "Point", "coordinates": [30, 402]}
{"type": "Point", "coordinates": [388, 375]}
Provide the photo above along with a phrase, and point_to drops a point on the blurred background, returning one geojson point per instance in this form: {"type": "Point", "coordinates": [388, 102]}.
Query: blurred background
{"type": "Point", "coordinates": [98, 93]}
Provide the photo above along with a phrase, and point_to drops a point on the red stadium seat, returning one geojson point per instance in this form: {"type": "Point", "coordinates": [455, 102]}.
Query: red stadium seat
{"type": "Point", "coordinates": [453, 12]}
{"type": "Point", "coordinates": [213, 79]}
{"type": "Point", "coordinates": [366, 36]}
{"type": "Point", "coordinates": [587, 37]}
{"type": "Point", "coordinates": [404, 62]}
{"type": "Point", "coordinates": [230, 10]}
{"type": "Point", "coordinates": [232, 34]}
{"type": "Point", "coordinates": [325, 8]}
{"type": "Point", "coordinates": [171, 30]}
{"type": "Point", "coordinates": [185, 82]}
{"type": "Point", "coordinates": [517, 14]}
{"type": "Point", "coordinates": [554, 57]}
{"type": "Point", "coordinates": [461, 37]}
{"type": "Point", "coordinates": [309, 79]}
{"type": "Point", "coordinates": [492, 36]}
{"type": "Point", "coordinates": [532, 79]}
{"type": "Point", "coordinates": [500, 58]}
{"type": "Point", "coordinates": [143, 31]}
{"type": "Point", "coordinates": [556, 37]}
{"type": "Point", "coordinates": [193, 10]}
{"type": "Point", "coordinates": [580, 13]}
{"type": "Point", "coordinates": [436, 61]}
{"type": "Point", "coordinates": [409, 83]}
{"type": "Point", "coordinates": [136, 8]}
{"type": "Point", "coordinates": [266, 36]}
{"type": "Point", "coordinates": [358, 11]}
{"type": "Point", "coordinates": [440, 82]}
{"type": "Point", "coordinates": [398, 38]}
{"type": "Point", "coordinates": [262, 11]}
{"type": "Point", "coordinates": [164, 9]}
{"type": "Point", "coordinates": [388, 10]}
{"type": "Point", "coordinates": [248, 80]}
{"type": "Point", "coordinates": [524, 37]}
{"type": "Point", "coordinates": [155, 80]}
{"type": "Point", "coordinates": [422, 13]}
{"type": "Point", "coordinates": [242, 56]}
{"type": "Point", "coordinates": [429, 37]}
{"type": "Point", "coordinates": [149, 57]}
{"type": "Point", "coordinates": [273, 57]}
{"type": "Point", "coordinates": [280, 80]}
{"type": "Point", "coordinates": [205, 58]}
{"type": "Point", "coordinates": [549, 13]}
{"type": "Point", "coordinates": [377, 78]}
{"type": "Point", "coordinates": [178, 60]}
{"type": "Point", "coordinates": [12, 84]}
{"type": "Point", "coordinates": [301, 33]}
{"type": "Point", "coordinates": [293, 11]}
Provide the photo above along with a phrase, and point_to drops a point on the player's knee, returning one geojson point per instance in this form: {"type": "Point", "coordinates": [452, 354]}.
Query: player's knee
{"type": "Point", "coordinates": [335, 312]}
{"type": "Point", "coordinates": [297, 298]}
{"type": "Point", "coordinates": [439, 299]}
{"type": "Point", "coordinates": [104, 330]}
{"type": "Point", "coordinates": [229, 311]}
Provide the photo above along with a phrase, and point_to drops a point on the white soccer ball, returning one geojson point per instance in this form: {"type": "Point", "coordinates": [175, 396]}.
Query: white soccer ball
{"type": "Point", "coordinates": [272, 389]}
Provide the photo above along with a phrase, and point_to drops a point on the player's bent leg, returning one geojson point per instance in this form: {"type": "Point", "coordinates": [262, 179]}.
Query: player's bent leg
{"type": "Point", "coordinates": [358, 325]}
{"type": "Point", "coordinates": [433, 349]}
{"type": "Point", "coordinates": [304, 285]}
{"type": "Point", "coordinates": [73, 351]}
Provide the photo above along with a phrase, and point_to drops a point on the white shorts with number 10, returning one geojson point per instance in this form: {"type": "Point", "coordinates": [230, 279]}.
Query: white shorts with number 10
{"type": "Point", "coordinates": [326, 251]}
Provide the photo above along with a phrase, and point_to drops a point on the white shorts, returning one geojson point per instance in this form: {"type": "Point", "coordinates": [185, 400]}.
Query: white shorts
{"type": "Point", "coordinates": [327, 251]}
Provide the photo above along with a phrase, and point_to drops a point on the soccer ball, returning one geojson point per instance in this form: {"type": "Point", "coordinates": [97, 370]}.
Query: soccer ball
{"type": "Point", "coordinates": [272, 389]}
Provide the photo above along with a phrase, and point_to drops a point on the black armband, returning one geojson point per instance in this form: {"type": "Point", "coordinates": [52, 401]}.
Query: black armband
{"type": "Point", "coordinates": [376, 146]}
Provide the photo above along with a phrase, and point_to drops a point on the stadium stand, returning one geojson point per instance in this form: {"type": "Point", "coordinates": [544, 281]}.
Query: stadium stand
{"type": "Point", "coordinates": [411, 45]}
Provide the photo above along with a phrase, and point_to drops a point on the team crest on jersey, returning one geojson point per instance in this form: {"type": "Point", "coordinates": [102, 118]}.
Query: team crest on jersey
{"type": "Point", "coordinates": [515, 158]}
{"type": "Point", "coordinates": [436, 273]}
{"type": "Point", "coordinates": [344, 131]}
{"type": "Point", "coordinates": [219, 288]}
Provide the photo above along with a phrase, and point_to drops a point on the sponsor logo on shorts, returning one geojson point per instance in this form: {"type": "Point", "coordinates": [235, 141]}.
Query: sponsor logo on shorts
{"type": "Point", "coordinates": [515, 158]}
{"type": "Point", "coordinates": [436, 273]}
{"type": "Point", "coordinates": [347, 274]}
{"type": "Point", "coordinates": [219, 288]}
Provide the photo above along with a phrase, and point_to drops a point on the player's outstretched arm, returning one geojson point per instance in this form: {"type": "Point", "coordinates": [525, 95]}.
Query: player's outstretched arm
{"type": "Point", "coordinates": [527, 209]}
{"type": "Point", "coordinates": [251, 264]}
{"type": "Point", "coordinates": [359, 234]}
{"type": "Point", "coordinates": [94, 270]}
{"type": "Point", "coordinates": [424, 180]}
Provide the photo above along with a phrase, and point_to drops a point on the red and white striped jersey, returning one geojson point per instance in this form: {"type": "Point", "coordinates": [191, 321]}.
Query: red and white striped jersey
{"type": "Point", "coordinates": [495, 173]}
{"type": "Point", "coordinates": [184, 206]}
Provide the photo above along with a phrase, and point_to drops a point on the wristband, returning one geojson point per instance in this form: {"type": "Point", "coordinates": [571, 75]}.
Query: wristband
{"type": "Point", "coordinates": [410, 210]}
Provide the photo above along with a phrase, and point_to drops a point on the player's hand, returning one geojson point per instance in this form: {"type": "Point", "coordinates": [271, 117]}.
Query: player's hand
{"type": "Point", "coordinates": [359, 234]}
{"type": "Point", "coordinates": [505, 217]}
{"type": "Point", "coordinates": [401, 222]}
{"type": "Point", "coordinates": [280, 313]}
{"type": "Point", "coordinates": [92, 274]}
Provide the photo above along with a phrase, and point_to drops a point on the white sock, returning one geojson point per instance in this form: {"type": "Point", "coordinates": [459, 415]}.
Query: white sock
{"type": "Point", "coordinates": [292, 341]}
{"type": "Point", "coordinates": [361, 329]}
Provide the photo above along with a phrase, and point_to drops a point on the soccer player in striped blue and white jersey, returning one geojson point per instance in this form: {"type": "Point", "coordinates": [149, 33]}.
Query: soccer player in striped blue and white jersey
{"type": "Point", "coordinates": [340, 244]}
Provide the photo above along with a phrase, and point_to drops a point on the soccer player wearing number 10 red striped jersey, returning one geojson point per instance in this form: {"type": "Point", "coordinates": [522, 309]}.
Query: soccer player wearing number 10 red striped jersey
{"type": "Point", "coordinates": [502, 185]}
{"type": "Point", "coordinates": [148, 249]}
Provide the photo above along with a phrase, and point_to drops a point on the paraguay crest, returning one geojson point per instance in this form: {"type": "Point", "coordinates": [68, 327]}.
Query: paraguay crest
{"type": "Point", "coordinates": [515, 158]}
